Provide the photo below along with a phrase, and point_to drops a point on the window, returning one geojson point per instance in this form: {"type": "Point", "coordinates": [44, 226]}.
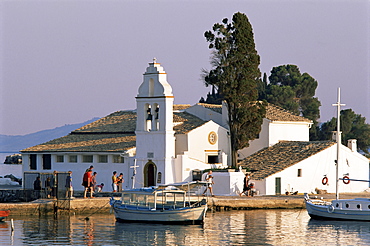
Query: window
{"type": "Point", "coordinates": [33, 162]}
{"type": "Point", "coordinates": [87, 158]}
{"type": "Point", "coordinates": [73, 158]}
{"type": "Point", "coordinates": [46, 161]}
{"type": "Point", "coordinates": [213, 159]}
{"type": "Point", "coordinates": [60, 158]}
{"type": "Point", "coordinates": [103, 159]}
{"type": "Point", "coordinates": [118, 159]}
{"type": "Point", "coordinates": [299, 173]}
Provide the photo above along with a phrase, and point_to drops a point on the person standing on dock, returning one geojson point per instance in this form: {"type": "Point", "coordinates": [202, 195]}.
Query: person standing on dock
{"type": "Point", "coordinates": [86, 182]}
{"type": "Point", "coordinates": [209, 179]}
{"type": "Point", "coordinates": [48, 187]}
{"type": "Point", "coordinates": [93, 181]}
{"type": "Point", "coordinates": [114, 181]}
{"type": "Point", "coordinates": [69, 187]}
{"type": "Point", "coordinates": [120, 180]}
{"type": "Point", "coordinates": [54, 184]}
{"type": "Point", "coordinates": [37, 186]}
{"type": "Point", "coordinates": [246, 187]}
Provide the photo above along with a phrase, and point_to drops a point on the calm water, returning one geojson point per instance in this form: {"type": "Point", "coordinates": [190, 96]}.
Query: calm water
{"type": "Point", "coordinates": [261, 227]}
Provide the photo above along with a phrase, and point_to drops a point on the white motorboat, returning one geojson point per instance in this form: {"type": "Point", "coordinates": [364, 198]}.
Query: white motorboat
{"type": "Point", "coordinates": [165, 204]}
{"type": "Point", "coordinates": [339, 209]}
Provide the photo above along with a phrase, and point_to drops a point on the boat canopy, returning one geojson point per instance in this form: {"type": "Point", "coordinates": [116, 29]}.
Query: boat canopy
{"type": "Point", "coordinates": [186, 186]}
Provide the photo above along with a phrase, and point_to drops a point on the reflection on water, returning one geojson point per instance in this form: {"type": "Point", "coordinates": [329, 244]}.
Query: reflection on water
{"type": "Point", "coordinates": [340, 232]}
{"type": "Point", "coordinates": [262, 227]}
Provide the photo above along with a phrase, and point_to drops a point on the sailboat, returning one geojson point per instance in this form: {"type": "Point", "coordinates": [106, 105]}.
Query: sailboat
{"type": "Point", "coordinates": [357, 209]}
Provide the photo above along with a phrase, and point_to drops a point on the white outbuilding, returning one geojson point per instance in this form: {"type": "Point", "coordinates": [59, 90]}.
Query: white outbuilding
{"type": "Point", "coordinates": [303, 166]}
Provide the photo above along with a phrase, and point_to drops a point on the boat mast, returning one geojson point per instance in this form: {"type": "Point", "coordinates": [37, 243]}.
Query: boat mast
{"type": "Point", "coordinates": [338, 140]}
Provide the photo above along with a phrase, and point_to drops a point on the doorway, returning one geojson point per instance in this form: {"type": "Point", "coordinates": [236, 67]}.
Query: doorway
{"type": "Point", "coordinates": [278, 186]}
{"type": "Point", "coordinates": [150, 171]}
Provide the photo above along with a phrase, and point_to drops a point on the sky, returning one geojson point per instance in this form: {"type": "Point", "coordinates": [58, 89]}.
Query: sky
{"type": "Point", "coordinates": [67, 61]}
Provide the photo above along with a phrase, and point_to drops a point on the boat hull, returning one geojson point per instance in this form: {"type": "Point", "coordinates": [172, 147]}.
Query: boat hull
{"type": "Point", "coordinates": [4, 214]}
{"type": "Point", "coordinates": [358, 210]}
{"type": "Point", "coordinates": [177, 216]}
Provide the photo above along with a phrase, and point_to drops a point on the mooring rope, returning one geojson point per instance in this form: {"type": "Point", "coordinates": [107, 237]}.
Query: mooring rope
{"type": "Point", "coordinates": [87, 217]}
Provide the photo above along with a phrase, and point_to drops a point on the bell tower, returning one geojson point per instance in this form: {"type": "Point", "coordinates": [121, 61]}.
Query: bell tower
{"type": "Point", "coordinates": [155, 141]}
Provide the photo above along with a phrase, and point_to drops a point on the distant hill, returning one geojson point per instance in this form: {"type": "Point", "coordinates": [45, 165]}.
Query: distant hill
{"type": "Point", "coordinates": [16, 143]}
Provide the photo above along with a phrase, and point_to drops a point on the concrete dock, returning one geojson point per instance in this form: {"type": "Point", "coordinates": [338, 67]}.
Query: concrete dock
{"type": "Point", "coordinates": [218, 203]}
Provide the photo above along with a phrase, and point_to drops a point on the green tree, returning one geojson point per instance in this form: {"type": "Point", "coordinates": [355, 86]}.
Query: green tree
{"type": "Point", "coordinates": [235, 73]}
{"type": "Point", "coordinates": [353, 126]}
{"type": "Point", "coordinates": [291, 90]}
{"type": "Point", "coordinates": [212, 98]}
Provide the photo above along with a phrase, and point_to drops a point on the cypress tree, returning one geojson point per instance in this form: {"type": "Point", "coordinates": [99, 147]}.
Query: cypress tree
{"type": "Point", "coordinates": [236, 74]}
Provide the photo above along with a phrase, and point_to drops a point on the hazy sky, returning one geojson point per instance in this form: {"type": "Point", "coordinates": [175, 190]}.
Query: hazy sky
{"type": "Point", "coordinates": [65, 62]}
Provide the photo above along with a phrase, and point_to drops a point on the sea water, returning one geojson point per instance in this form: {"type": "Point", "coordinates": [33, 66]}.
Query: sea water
{"type": "Point", "coordinates": [245, 227]}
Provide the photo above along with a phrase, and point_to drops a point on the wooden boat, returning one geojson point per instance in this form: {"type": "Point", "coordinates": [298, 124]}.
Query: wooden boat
{"type": "Point", "coordinates": [4, 214]}
{"type": "Point", "coordinates": [339, 209]}
{"type": "Point", "coordinates": [169, 204]}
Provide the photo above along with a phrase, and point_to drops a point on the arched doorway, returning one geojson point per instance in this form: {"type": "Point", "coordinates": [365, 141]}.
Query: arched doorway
{"type": "Point", "coordinates": [150, 171]}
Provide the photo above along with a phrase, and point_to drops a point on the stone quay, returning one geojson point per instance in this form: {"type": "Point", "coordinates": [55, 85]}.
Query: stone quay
{"type": "Point", "coordinates": [218, 203]}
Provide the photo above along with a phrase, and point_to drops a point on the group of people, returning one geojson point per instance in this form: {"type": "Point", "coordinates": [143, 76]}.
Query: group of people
{"type": "Point", "coordinates": [90, 183]}
{"type": "Point", "coordinates": [248, 188]}
{"type": "Point", "coordinates": [117, 182]}
{"type": "Point", "coordinates": [50, 186]}
{"type": "Point", "coordinates": [91, 186]}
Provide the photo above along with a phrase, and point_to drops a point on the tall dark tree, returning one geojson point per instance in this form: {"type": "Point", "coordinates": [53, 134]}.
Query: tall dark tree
{"type": "Point", "coordinates": [212, 98]}
{"type": "Point", "coordinates": [235, 73]}
{"type": "Point", "coordinates": [291, 90]}
{"type": "Point", "coordinates": [353, 126]}
{"type": "Point", "coordinates": [261, 87]}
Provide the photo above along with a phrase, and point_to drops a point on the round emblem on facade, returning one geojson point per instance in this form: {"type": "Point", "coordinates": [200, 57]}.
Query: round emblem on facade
{"type": "Point", "coordinates": [212, 137]}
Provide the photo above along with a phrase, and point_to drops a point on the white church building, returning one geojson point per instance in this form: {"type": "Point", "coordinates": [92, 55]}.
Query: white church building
{"type": "Point", "coordinates": [162, 143]}
{"type": "Point", "coordinates": [158, 143]}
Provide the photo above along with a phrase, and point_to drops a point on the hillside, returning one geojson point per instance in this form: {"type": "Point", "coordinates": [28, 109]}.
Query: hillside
{"type": "Point", "coordinates": [16, 143]}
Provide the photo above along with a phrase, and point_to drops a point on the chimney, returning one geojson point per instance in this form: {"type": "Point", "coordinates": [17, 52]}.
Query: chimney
{"type": "Point", "coordinates": [334, 135]}
{"type": "Point", "coordinates": [352, 144]}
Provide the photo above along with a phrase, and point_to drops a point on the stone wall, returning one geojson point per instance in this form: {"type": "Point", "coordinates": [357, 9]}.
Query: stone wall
{"type": "Point", "coordinates": [18, 195]}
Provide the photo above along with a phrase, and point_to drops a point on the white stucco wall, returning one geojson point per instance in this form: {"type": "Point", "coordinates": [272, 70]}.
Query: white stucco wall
{"type": "Point", "coordinates": [184, 166]}
{"type": "Point", "coordinates": [181, 142]}
{"type": "Point", "coordinates": [274, 131]}
{"type": "Point", "coordinates": [288, 131]}
{"type": "Point", "coordinates": [228, 183]}
{"type": "Point", "coordinates": [199, 146]}
{"type": "Point", "coordinates": [313, 170]}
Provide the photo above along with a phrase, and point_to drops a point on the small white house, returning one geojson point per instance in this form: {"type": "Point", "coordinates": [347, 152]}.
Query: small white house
{"type": "Point", "coordinates": [300, 166]}
{"type": "Point", "coordinates": [278, 125]}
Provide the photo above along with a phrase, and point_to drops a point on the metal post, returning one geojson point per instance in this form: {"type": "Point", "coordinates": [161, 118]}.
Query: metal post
{"type": "Point", "coordinates": [338, 140]}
